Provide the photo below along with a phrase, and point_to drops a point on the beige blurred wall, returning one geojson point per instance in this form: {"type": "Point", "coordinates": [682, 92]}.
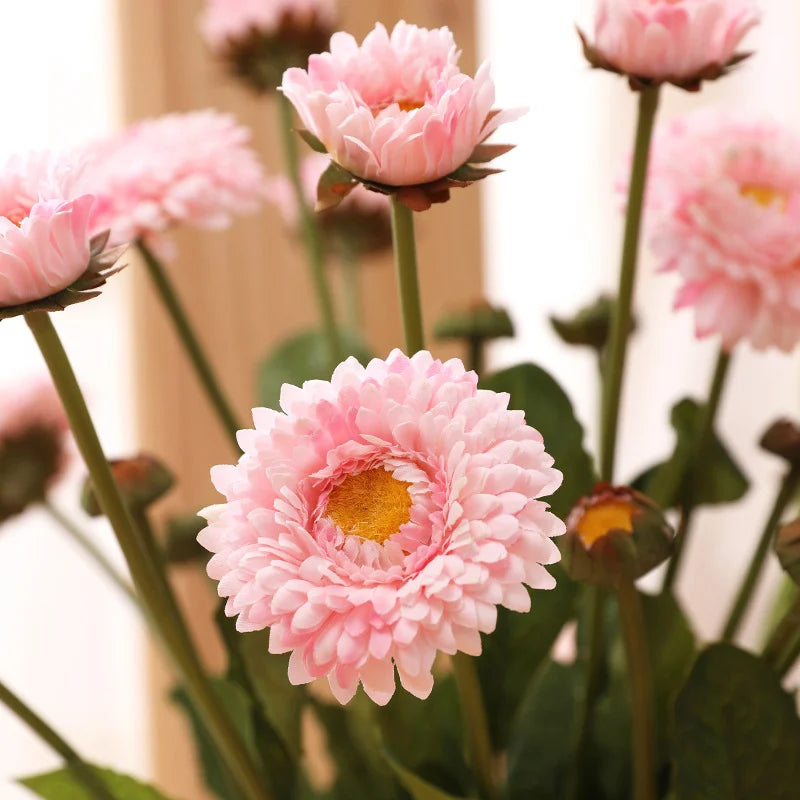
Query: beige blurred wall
{"type": "Point", "coordinates": [248, 288]}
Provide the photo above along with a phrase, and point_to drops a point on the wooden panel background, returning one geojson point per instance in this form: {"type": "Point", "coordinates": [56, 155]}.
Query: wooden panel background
{"type": "Point", "coordinates": [249, 287]}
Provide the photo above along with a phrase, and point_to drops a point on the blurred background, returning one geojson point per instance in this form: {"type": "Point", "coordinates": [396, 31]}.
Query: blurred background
{"type": "Point", "coordinates": [542, 238]}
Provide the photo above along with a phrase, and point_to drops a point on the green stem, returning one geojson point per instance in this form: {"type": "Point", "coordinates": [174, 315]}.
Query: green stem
{"type": "Point", "coordinates": [780, 642]}
{"type": "Point", "coordinates": [785, 494]}
{"type": "Point", "coordinates": [476, 724]}
{"type": "Point", "coordinates": [670, 486]}
{"type": "Point", "coordinates": [595, 678]}
{"type": "Point", "coordinates": [144, 573]}
{"type": "Point", "coordinates": [92, 550]}
{"type": "Point", "coordinates": [351, 274]}
{"type": "Point", "coordinates": [620, 331]}
{"type": "Point", "coordinates": [194, 350]}
{"type": "Point", "coordinates": [790, 655]}
{"type": "Point", "coordinates": [311, 234]}
{"type": "Point", "coordinates": [476, 360]}
{"type": "Point", "coordinates": [81, 771]}
{"type": "Point", "coordinates": [641, 683]}
{"type": "Point", "coordinates": [405, 256]}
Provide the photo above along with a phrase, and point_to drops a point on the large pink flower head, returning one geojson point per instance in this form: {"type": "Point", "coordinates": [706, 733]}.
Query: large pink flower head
{"type": "Point", "coordinates": [361, 222]}
{"type": "Point", "coordinates": [196, 169]}
{"type": "Point", "coordinates": [33, 444]}
{"type": "Point", "coordinates": [724, 212]}
{"type": "Point", "coordinates": [260, 39]}
{"type": "Point", "coordinates": [683, 42]}
{"type": "Point", "coordinates": [396, 111]}
{"type": "Point", "coordinates": [50, 255]}
{"type": "Point", "coordinates": [380, 518]}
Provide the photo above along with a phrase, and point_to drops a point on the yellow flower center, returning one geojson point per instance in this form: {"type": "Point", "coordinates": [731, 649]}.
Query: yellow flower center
{"type": "Point", "coordinates": [765, 196]}
{"type": "Point", "coordinates": [599, 520]}
{"type": "Point", "coordinates": [372, 504]}
{"type": "Point", "coordinates": [406, 104]}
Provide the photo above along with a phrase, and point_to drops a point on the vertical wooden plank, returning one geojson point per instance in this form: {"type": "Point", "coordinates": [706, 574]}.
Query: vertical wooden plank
{"type": "Point", "coordinates": [248, 288]}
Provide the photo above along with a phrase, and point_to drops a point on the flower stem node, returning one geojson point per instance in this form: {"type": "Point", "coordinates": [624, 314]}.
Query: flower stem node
{"type": "Point", "coordinates": [614, 534]}
{"type": "Point", "coordinates": [783, 439]}
{"type": "Point", "coordinates": [787, 547]}
{"type": "Point", "coordinates": [142, 480]}
{"type": "Point", "coordinates": [590, 326]}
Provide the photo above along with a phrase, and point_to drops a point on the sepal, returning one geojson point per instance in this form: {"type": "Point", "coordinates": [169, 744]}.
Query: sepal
{"type": "Point", "coordinates": [590, 326]}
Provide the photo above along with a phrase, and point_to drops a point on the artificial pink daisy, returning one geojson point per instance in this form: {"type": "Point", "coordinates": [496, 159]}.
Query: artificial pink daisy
{"type": "Point", "coordinates": [361, 223]}
{"type": "Point", "coordinates": [396, 111]}
{"type": "Point", "coordinates": [51, 254]}
{"type": "Point", "coordinates": [259, 39]}
{"type": "Point", "coordinates": [683, 42]}
{"type": "Point", "coordinates": [381, 518]}
{"type": "Point", "coordinates": [33, 444]}
{"type": "Point", "coordinates": [724, 212]}
{"type": "Point", "coordinates": [195, 169]}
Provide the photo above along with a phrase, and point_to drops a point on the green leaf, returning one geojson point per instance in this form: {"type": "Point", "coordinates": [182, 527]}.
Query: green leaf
{"type": "Point", "coordinates": [548, 409]}
{"type": "Point", "coordinates": [334, 185]}
{"type": "Point", "coordinates": [541, 748]}
{"type": "Point", "coordinates": [62, 785]}
{"type": "Point", "coordinates": [238, 704]}
{"type": "Point", "coordinates": [303, 357]}
{"type": "Point", "coordinates": [180, 542]}
{"type": "Point", "coordinates": [718, 480]}
{"type": "Point", "coordinates": [737, 731]}
{"type": "Point", "coordinates": [517, 648]}
{"type": "Point", "coordinates": [417, 787]}
{"type": "Point", "coordinates": [311, 140]}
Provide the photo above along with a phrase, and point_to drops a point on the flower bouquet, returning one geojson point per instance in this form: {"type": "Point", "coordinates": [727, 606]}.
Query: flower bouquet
{"type": "Point", "coordinates": [428, 577]}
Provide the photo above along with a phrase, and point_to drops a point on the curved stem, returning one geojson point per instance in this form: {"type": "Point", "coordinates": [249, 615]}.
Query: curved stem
{"type": "Point", "coordinates": [595, 677]}
{"type": "Point", "coordinates": [191, 344]}
{"type": "Point", "coordinates": [621, 323]}
{"type": "Point", "coordinates": [476, 724]}
{"type": "Point", "coordinates": [310, 231]}
{"type": "Point", "coordinates": [92, 550]}
{"type": "Point", "coordinates": [671, 485]}
{"type": "Point", "coordinates": [144, 573]}
{"type": "Point", "coordinates": [87, 777]}
{"type": "Point", "coordinates": [785, 494]}
{"type": "Point", "coordinates": [405, 256]}
{"type": "Point", "coordinates": [641, 682]}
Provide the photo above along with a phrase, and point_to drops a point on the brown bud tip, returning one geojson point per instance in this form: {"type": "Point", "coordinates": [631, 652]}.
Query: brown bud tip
{"type": "Point", "coordinates": [142, 480]}
{"type": "Point", "coordinates": [783, 439]}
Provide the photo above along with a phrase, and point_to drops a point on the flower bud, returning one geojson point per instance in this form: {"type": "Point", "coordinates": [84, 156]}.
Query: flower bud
{"type": "Point", "coordinates": [480, 321]}
{"type": "Point", "coordinates": [591, 326]}
{"type": "Point", "coordinates": [613, 534]}
{"type": "Point", "coordinates": [787, 547]}
{"type": "Point", "coordinates": [783, 439]}
{"type": "Point", "coordinates": [142, 480]}
{"type": "Point", "coordinates": [181, 545]}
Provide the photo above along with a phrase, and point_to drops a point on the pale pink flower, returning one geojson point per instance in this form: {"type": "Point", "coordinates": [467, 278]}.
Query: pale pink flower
{"type": "Point", "coordinates": [676, 41]}
{"type": "Point", "coordinates": [195, 168]}
{"type": "Point", "coordinates": [381, 518]}
{"type": "Point", "coordinates": [724, 212]}
{"type": "Point", "coordinates": [225, 22]}
{"type": "Point", "coordinates": [47, 222]}
{"type": "Point", "coordinates": [395, 110]}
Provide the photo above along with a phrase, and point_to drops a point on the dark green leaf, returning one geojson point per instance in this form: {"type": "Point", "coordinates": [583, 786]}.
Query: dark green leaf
{"type": "Point", "coordinates": [517, 648]}
{"type": "Point", "coordinates": [717, 479]}
{"type": "Point", "coordinates": [737, 731]}
{"type": "Point", "coordinates": [417, 787]}
{"type": "Point", "coordinates": [61, 785]}
{"type": "Point", "coordinates": [311, 140]}
{"type": "Point", "coordinates": [548, 409]}
{"type": "Point", "coordinates": [303, 357]}
{"type": "Point", "coordinates": [541, 749]}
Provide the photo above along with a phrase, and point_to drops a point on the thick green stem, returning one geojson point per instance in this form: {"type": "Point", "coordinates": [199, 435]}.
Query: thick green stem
{"type": "Point", "coordinates": [92, 550]}
{"type": "Point", "coordinates": [81, 771]}
{"type": "Point", "coordinates": [405, 257]}
{"type": "Point", "coordinates": [310, 232]}
{"type": "Point", "coordinates": [780, 643]}
{"type": "Point", "coordinates": [641, 683]}
{"type": "Point", "coordinates": [595, 678]}
{"type": "Point", "coordinates": [476, 359]}
{"type": "Point", "coordinates": [672, 482]}
{"type": "Point", "coordinates": [476, 724]}
{"type": "Point", "coordinates": [621, 324]}
{"type": "Point", "coordinates": [351, 279]}
{"type": "Point", "coordinates": [787, 491]}
{"type": "Point", "coordinates": [144, 573]}
{"type": "Point", "coordinates": [194, 350]}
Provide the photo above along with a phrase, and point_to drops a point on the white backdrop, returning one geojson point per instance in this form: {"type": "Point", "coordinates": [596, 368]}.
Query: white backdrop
{"type": "Point", "coordinates": [553, 238]}
{"type": "Point", "coordinates": [68, 643]}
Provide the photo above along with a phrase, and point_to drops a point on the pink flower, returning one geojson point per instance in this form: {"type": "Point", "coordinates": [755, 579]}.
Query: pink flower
{"type": "Point", "coordinates": [225, 22]}
{"type": "Point", "coordinates": [396, 110]}
{"type": "Point", "coordinates": [381, 518]}
{"type": "Point", "coordinates": [33, 444]}
{"type": "Point", "coordinates": [46, 227]}
{"type": "Point", "coordinates": [670, 41]}
{"type": "Point", "coordinates": [195, 168]}
{"type": "Point", "coordinates": [724, 212]}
